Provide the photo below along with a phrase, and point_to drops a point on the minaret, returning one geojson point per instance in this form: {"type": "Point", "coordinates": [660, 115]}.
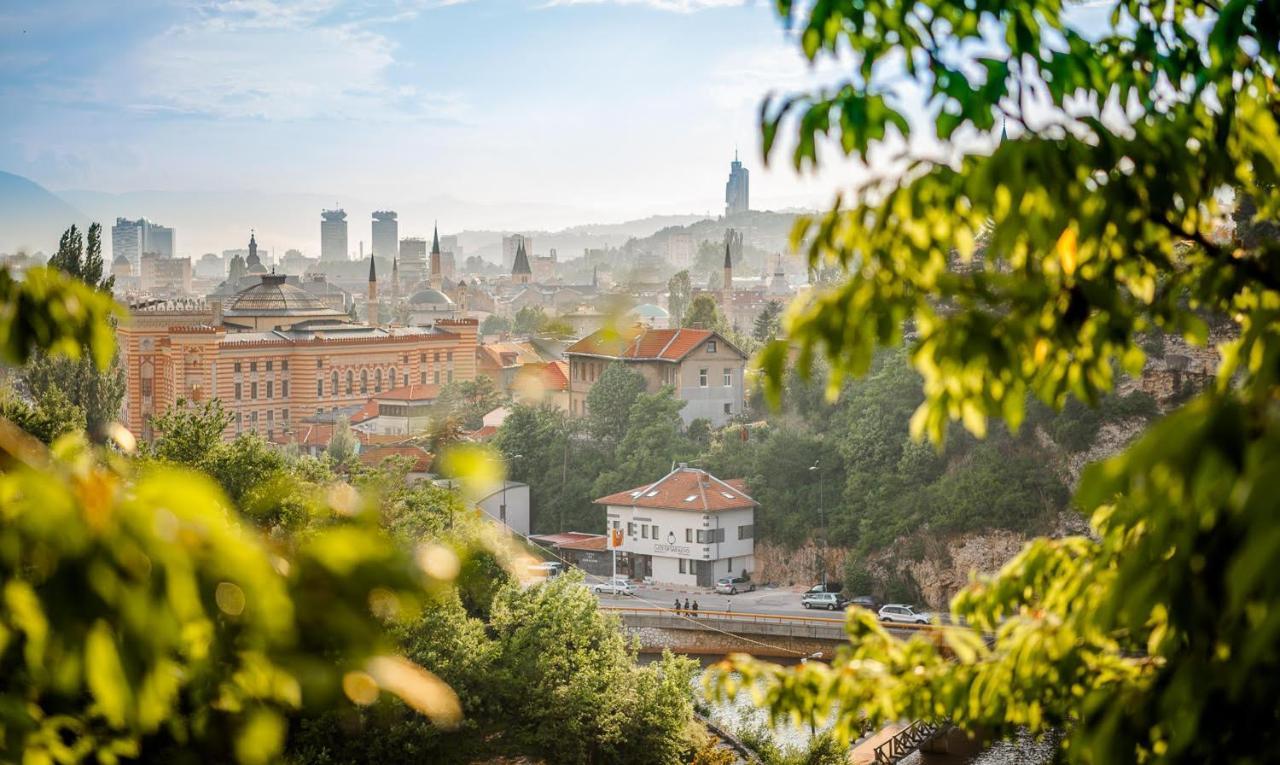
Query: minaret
{"type": "Point", "coordinates": [253, 249]}
{"type": "Point", "coordinates": [726, 299]}
{"type": "Point", "coordinates": [595, 278]}
{"type": "Point", "coordinates": [373, 310]}
{"type": "Point", "coordinates": [395, 282]}
{"type": "Point", "coordinates": [437, 276]}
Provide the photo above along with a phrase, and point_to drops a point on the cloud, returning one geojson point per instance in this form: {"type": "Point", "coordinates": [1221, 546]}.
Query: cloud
{"type": "Point", "coordinates": [671, 6]}
{"type": "Point", "coordinates": [272, 60]}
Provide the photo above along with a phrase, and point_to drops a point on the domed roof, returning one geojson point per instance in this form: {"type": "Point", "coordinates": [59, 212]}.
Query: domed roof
{"type": "Point", "coordinates": [430, 296]}
{"type": "Point", "coordinates": [120, 260]}
{"type": "Point", "coordinates": [650, 311]}
{"type": "Point", "coordinates": [272, 296]}
{"type": "Point", "coordinates": [257, 268]}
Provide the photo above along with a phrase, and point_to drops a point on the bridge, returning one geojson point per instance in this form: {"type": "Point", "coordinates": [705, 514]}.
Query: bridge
{"type": "Point", "coordinates": [718, 633]}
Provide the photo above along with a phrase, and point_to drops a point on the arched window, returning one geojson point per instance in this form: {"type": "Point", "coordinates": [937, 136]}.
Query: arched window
{"type": "Point", "coordinates": [364, 381]}
{"type": "Point", "coordinates": [350, 377]}
{"type": "Point", "coordinates": [333, 383]}
{"type": "Point", "coordinates": [391, 379]}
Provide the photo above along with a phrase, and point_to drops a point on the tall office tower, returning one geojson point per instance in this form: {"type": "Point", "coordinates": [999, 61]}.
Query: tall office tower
{"type": "Point", "coordinates": [333, 235]}
{"type": "Point", "coordinates": [413, 262]}
{"type": "Point", "coordinates": [133, 238]}
{"type": "Point", "coordinates": [736, 191]}
{"type": "Point", "coordinates": [386, 234]}
{"type": "Point", "coordinates": [509, 246]}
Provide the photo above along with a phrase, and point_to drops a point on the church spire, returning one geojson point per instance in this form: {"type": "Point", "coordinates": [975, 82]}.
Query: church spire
{"type": "Point", "coordinates": [521, 273]}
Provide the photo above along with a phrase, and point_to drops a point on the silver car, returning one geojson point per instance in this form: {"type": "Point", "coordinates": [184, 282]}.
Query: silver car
{"type": "Point", "coordinates": [828, 600]}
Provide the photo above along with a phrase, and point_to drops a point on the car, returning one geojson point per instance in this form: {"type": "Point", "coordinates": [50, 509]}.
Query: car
{"type": "Point", "coordinates": [732, 585]}
{"type": "Point", "coordinates": [900, 612]}
{"type": "Point", "coordinates": [827, 587]}
{"type": "Point", "coordinates": [549, 569]}
{"type": "Point", "coordinates": [865, 601]}
{"type": "Point", "coordinates": [828, 600]}
{"type": "Point", "coordinates": [616, 586]}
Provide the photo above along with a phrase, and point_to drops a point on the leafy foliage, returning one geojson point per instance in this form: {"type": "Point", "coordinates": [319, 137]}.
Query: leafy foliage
{"type": "Point", "coordinates": [679, 292]}
{"type": "Point", "coordinates": [704, 313]}
{"type": "Point", "coordinates": [470, 400]}
{"type": "Point", "coordinates": [610, 400]}
{"type": "Point", "coordinates": [1156, 641]}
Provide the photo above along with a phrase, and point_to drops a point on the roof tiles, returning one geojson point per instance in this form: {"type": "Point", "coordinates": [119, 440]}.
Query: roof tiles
{"type": "Point", "coordinates": [684, 488]}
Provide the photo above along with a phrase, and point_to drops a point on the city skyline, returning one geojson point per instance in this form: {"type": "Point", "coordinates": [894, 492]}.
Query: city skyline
{"type": "Point", "coordinates": [500, 121]}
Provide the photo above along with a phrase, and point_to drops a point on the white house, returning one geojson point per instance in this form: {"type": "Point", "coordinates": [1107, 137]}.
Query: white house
{"type": "Point", "coordinates": [506, 504]}
{"type": "Point", "coordinates": [687, 528]}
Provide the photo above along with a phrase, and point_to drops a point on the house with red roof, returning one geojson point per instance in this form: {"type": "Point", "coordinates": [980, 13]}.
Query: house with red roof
{"type": "Point", "coordinates": [703, 367]}
{"type": "Point", "coordinates": [687, 528]}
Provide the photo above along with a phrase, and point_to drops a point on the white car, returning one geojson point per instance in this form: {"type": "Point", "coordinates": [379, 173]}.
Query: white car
{"type": "Point", "coordinates": [899, 612]}
{"type": "Point", "coordinates": [548, 569]}
{"type": "Point", "coordinates": [618, 586]}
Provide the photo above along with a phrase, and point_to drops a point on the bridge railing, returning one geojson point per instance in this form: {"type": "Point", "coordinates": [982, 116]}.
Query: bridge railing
{"type": "Point", "coordinates": [748, 616]}
{"type": "Point", "coordinates": [908, 740]}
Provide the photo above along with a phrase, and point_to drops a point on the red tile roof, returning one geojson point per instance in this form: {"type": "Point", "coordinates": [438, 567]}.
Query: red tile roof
{"type": "Point", "coordinates": [364, 413]}
{"type": "Point", "coordinates": [374, 455]}
{"type": "Point", "coordinates": [643, 343]}
{"type": "Point", "coordinates": [684, 488]}
{"type": "Point", "coordinates": [415, 392]}
{"type": "Point", "coordinates": [573, 540]}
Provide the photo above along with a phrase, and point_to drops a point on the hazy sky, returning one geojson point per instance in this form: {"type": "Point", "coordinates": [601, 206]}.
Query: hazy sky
{"type": "Point", "coordinates": [621, 107]}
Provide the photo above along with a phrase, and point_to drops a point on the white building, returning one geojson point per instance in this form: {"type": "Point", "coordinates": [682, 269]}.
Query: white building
{"type": "Point", "coordinates": [688, 528]}
{"type": "Point", "coordinates": [506, 504]}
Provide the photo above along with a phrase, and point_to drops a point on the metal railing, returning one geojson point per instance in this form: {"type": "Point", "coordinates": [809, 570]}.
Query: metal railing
{"type": "Point", "coordinates": [748, 616]}
{"type": "Point", "coordinates": [908, 740]}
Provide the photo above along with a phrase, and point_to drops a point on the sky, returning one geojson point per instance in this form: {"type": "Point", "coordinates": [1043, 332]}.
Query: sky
{"type": "Point", "coordinates": [604, 110]}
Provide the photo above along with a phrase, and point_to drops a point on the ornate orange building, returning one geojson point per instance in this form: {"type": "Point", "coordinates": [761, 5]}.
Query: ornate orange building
{"type": "Point", "coordinates": [276, 356]}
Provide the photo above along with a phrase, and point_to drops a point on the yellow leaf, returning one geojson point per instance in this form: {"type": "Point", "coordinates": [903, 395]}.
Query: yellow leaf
{"type": "Point", "coordinates": [1067, 250]}
{"type": "Point", "coordinates": [105, 673]}
{"type": "Point", "coordinates": [261, 738]}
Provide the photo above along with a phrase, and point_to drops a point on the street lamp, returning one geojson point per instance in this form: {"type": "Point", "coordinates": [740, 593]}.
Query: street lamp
{"type": "Point", "coordinates": [822, 518]}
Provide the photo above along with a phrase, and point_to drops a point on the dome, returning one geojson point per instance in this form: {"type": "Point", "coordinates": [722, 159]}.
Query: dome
{"type": "Point", "coordinates": [651, 311]}
{"type": "Point", "coordinates": [257, 268]}
{"type": "Point", "coordinates": [273, 296]}
{"type": "Point", "coordinates": [428, 297]}
{"type": "Point", "coordinates": [120, 261]}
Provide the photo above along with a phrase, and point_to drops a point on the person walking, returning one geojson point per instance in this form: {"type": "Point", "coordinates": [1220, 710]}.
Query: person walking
{"type": "Point", "coordinates": [686, 604]}
{"type": "Point", "coordinates": [695, 608]}
{"type": "Point", "coordinates": [677, 607]}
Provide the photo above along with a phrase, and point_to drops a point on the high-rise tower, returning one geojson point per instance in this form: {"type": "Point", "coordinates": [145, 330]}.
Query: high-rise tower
{"type": "Point", "coordinates": [386, 234]}
{"type": "Point", "coordinates": [736, 191]}
{"type": "Point", "coordinates": [333, 235]}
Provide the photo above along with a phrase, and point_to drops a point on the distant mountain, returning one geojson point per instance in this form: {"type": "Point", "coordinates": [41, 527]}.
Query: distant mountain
{"type": "Point", "coordinates": [32, 218]}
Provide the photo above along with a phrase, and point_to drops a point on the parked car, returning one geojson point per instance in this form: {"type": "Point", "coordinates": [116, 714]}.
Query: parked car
{"type": "Point", "coordinates": [732, 585]}
{"type": "Point", "coordinates": [549, 569]}
{"type": "Point", "coordinates": [828, 600]}
{"type": "Point", "coordinates": [828, 587]}
{"type": "Point", "coordinates": [900, 612]}
{"type": "Point", "coordinates": [617, 586]}
{"type": "Point", "coordinates": [865, 601]}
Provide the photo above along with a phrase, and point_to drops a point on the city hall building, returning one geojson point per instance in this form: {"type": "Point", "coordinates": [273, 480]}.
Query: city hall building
{"type": "Point", "coordinates": [275, 355]}
{"type": "Point", "coordinates": [687, 528]}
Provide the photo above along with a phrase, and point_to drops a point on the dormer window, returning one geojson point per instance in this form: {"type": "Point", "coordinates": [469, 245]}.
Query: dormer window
{"type": "Point", "coordinates": [711, 346]}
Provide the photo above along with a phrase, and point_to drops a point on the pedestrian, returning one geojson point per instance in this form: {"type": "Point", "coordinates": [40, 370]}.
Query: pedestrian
{"type": "Point", "coordinates": [686, 604]}
{"type": "Point", "coordinates": [677, 608]}
{"type": "Point", "coordinates": [695, 608]}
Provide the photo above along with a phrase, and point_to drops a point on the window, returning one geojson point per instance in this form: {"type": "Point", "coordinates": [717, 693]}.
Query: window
{"type": "Point", "coordinates": [702, 378]}
{"type": "Point", "coordinates": [728, 377]}
{"type": "Point", "coordinates": [711, 346]}
{"type": "Point", "coordinates": [319, 364]}
{"type": "Point", "coordinates": [238, 391]}
{"type": "Point", "coordinates": [422, 358]}
{"type": "Point", "coordinates": [682, 566]}
{"type": "Point", "coordinates": [437, 377]}
{"type": "Point", "coordinates": [653, 531]}
{"type": "Point", "coordinates": [236, 366]}
{"type": "Point", "coordinates": [703, 537]}
{"type": "Point", "coordinates": [253, 389]}
{"type": "Point", "coordinates": [449, 357]}
{"type": "Point", "coordinates": [644, 531]}
{"type": "Point", "coordinates": [437, 357]}
{"type": "Point", "coordinates": [391, 378]}
{"type": "Point", "coordinates": [349, 378]}
{"type": "Point", "coordinates": [631, 529]}
{"type": "Point", "coordinates": [269, 363]}
{"type": "Point", "coordinates": [364, 381]}
{"type": "Point", "coordinates": [377, 381]}
{"type": "Point", "coordinates": [284, 365]}
{"type": "Point", "coordinates": [746, 531]}
{"type": "Point", "coordinates": [450, 375]}
{"type": "Point", "coordinates": [239, 421]}
{"type": "Point", "coordinates": [333, 382]}
{"type": "Point", "coordinates": [688, 535]}
{"type": "Point", "coordinates": [284, 389]}
{"type": "Point", "coordinates": [423, 380]}
{"type": "Point", "coordinates": [271, 415]}
{"type": "Point", "coordinates": [719, 535]}
{"type": "Point", "coordinates": [730, 566]}
{"type": "Point", "coordinates": [728, 408]}
{"type": "Point", "coordinates": [406, 378]}
{"type": "Point", "coordinates": [319, 388]}
{"type": "Point", "coordinates": [253, 366]}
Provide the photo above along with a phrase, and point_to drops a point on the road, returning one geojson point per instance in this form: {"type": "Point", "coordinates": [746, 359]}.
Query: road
{"type": "Point", "coordinates": [767, 600]}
